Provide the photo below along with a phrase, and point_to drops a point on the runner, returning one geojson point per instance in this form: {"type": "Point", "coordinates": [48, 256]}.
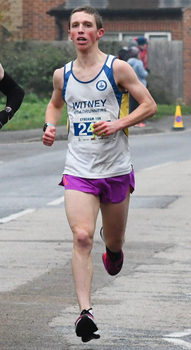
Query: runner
{"type": "Point", "coordinates": [14, 94]}
{"type": "Point", "coordinates": [98, 172]}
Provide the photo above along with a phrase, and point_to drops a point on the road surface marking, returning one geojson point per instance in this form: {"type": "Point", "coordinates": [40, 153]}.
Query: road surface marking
{"type": "Point", "coordinates": [179, 334]}
{"type": "Point", "coordinates": [158, 166]}
{"type": "Point", "coordinates": [57, 201]}
{"type": "Point", "coordinates": [180, 342]}
{"type": "Point", "coordinates": [16, 216]}
{"type": "Point", "coordinates": [172, 338]}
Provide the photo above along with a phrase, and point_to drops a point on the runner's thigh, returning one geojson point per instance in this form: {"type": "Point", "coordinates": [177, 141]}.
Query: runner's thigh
{"type": "Point", "coordinates": [81, 210]}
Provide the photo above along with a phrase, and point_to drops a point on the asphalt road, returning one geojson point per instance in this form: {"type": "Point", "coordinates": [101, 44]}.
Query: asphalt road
{"type": "Point", "coordinates": [30, 171]}
{"type": "Point", "coordinates": [146, 306]}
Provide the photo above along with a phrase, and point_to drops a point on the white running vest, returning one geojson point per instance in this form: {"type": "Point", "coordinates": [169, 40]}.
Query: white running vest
{"type": "Point", "coordinates": [89, 156]}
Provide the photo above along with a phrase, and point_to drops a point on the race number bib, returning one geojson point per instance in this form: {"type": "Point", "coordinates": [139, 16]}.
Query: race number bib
{"type": "Point", "coordinates": [82, 127]}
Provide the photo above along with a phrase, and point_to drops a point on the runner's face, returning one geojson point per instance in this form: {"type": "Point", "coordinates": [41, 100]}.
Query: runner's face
{"type": "Point", "coordinates": [83, 30]}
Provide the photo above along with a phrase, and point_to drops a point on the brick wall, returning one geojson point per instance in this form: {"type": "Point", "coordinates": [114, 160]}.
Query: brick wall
{"type": "Point", "coordinates": [173, 26]}
{"type": "Point", "coordinates": [11, 17]}
{"type": "Point", "coordinates": [187, 55]}
{"type": "Point", "coordinates": [37, 25]}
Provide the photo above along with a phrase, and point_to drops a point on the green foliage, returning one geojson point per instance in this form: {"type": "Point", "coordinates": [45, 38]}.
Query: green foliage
{"type": "Point", "coordinates": [32, 66]}
{"type": "Point", "coordinates": [111, 47]}
{"type": "Point", "coordinates": [31, 114]}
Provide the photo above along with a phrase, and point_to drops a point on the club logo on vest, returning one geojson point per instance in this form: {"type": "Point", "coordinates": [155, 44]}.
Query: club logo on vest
{"type": "Point", "coordinates": [101, 85]}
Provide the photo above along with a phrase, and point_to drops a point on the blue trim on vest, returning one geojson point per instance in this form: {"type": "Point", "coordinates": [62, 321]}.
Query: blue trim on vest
{"type": "Point", "coordinates": [66, 77]}
{"type": "Point", "coordinates": [109, 72]}
{"type": "Point", "coordinates": [89, 81]}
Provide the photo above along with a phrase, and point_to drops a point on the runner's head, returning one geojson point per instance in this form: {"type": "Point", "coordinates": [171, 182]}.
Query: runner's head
{"type": "Point", "coordinates": [90, 10]}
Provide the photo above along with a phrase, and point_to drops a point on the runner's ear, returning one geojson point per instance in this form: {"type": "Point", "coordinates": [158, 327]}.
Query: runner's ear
{"type": "Point", "coordinates": [100, 33]}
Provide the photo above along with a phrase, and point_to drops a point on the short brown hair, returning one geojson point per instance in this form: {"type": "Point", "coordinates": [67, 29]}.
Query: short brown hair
{"type": "Point", "coordinates": [91, 11]}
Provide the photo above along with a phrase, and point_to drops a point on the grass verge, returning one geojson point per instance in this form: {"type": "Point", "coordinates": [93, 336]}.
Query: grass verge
{"type": "Point", "coordinates": [31, 114]}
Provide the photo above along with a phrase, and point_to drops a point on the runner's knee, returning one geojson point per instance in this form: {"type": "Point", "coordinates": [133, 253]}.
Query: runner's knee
{"type": "Point", "coordinates": [83, 239]}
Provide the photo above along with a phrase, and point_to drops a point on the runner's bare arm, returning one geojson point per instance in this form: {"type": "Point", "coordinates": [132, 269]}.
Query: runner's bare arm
{"type": "Point", "coordinates": [54, 108]}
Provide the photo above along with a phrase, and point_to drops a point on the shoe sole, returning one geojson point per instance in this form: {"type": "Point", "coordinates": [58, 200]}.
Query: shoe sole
{"type": "Point", "coordinates": [87, 329]}
{"type": "Point", "coordinates": [95, 335]}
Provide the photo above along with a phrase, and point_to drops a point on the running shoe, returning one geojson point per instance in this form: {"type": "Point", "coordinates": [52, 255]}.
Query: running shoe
{"type": "Point", "coordinates": [112, 267]}
{"type": "Point", "coordinates": [86, 327]}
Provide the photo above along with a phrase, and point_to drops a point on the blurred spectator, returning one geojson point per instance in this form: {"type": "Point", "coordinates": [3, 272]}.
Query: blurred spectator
{"type": "Point", "coordinates": [137, 64]}
{"type": "Point", "coordinates": [132, 42]}
{"type": "Point", "coordinates": [123, 53]}
{"type": "Point", "coordinates": [131, 54]}
{"type": "Point", "coordinates": [143, 48]}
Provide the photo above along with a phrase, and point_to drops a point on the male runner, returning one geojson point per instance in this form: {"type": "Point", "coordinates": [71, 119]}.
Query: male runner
{"type": "Point", "coordinates": [98, 172]}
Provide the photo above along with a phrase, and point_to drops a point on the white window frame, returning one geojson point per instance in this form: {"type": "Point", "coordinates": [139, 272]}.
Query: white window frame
{"type": "Point", "coordinates": [167, 35]}
{"type": "Point", "coordinates": [130, 35]}
{"type": "Point", "coordinates": [120, 35]}
{"type": "Point", "coordinates": [147, 35]}
{"type": "Point", "coordinates": [117, 34]}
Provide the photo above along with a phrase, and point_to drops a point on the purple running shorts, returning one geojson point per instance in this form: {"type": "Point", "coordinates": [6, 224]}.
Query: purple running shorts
{"type": "Point", "coordinates": [111, 189]}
